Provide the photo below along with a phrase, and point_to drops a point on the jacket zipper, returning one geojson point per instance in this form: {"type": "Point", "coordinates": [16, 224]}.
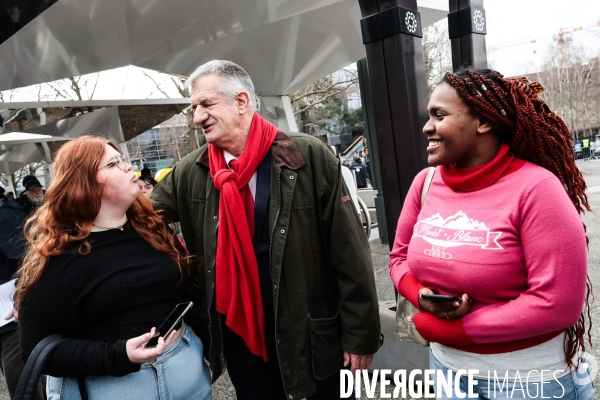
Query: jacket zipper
{"type": "Point", "coordinates": [271, 252]}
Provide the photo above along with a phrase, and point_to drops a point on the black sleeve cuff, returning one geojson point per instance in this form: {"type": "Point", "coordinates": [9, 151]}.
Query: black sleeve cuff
{"type": "Point", "coordinates": [120, 364]}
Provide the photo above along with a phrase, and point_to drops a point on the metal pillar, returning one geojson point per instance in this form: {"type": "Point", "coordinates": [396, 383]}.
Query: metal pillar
{"type": "Point", "coordinates": [367, 108]}
{"type": "Point", "coordinates": [392, 36]}
{"type": "Point", "coordinates": [48, 165]}
{"type": "Point", "coordinates": [467, 27]}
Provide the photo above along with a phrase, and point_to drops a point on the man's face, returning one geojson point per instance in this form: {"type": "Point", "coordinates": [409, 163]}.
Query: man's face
{"type": "Point", "coordinates": [35, 194]}
{"type": "Point", "coordinates": [219, 118]}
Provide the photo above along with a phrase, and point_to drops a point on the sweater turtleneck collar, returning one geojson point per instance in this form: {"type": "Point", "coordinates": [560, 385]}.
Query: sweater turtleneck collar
{"type": "Point", "coordinates": [480, 177]}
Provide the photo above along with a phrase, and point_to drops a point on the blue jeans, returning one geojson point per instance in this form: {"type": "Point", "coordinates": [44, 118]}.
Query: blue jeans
{"type": "Point", "coordinates": [563, 388]}
{"type": "Point", "coordinates": [179, 373]}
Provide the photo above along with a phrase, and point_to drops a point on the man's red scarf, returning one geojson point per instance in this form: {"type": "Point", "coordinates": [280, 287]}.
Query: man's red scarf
{"type": "Point", "coordinates": [237, 284]}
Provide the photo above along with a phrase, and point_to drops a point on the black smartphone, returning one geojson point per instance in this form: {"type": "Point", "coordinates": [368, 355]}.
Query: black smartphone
{"type": "Point", "coordinates": [172, 322]}
{"type": "Point", "coordinates": [440, 298]}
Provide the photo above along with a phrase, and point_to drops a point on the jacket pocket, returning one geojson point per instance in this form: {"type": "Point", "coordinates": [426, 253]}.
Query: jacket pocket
{"type": "Point", "coordinates": [326, 345]}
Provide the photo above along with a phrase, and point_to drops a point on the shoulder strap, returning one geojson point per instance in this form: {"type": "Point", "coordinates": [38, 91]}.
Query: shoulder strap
{"type": "Point", "coordinates": [33, 368]}
{"type": "Point", "coordinates": [427, 184]}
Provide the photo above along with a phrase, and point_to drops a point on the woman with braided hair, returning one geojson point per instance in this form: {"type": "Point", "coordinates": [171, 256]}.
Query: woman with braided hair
{"type": "Point", "coordinates": [499, 230]}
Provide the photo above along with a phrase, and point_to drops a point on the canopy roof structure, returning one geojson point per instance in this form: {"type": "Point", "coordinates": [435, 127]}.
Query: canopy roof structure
{"type": "Point", "coordinates": [52, 123]}
{"type": "Point", "coordinates": [12, 139]}
{"type": "Point", "coordinates": [135, 116]}
{"type": "Point", "coordinates": [20, 148]}
{"type": "Point", "coordinates": [283, 44]}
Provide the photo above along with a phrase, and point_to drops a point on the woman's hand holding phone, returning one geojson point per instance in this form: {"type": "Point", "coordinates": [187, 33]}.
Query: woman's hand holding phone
{"type": "Point", "coordinates": [138, 354]}
{"type": "Point", "coordinates": [445, 309]}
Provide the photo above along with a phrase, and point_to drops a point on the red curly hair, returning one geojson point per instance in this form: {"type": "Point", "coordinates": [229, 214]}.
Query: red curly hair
{"type": "Point", "coordinates": [72, 203]}
{"type": "Point", "coordinates": [524, 121]}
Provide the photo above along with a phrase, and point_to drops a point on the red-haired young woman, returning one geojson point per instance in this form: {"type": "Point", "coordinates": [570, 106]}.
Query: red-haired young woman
{"type": "Point", "coordinates": [500, 230]}
{"type": "Point", "coordinates": [103, 269]}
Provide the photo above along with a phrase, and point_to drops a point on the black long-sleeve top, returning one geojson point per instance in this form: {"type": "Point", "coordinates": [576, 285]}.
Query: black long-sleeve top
{"type": "Point", "coordinates": [120, 290]}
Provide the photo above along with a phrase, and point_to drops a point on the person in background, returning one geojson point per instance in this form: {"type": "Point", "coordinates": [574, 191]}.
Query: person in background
{"type": "Point", "coordinates": [32, 197]}
{"type": "Point", "coordinates": [367, 161]}
{"type": "Point", "coordinates": [146, 184]}
{"type": "Point", "coordinates": [10, 195]}
{"type": "Point", "coordinates": [360, 170]}
{"type": "Point", "coordinates": [103, 270]}
{"type": "Point", "coordinates": [487, 234]}
{"type": "Point", "coordinates": [349, 181]}
{"type": "Point", "coordinates": [12, 250]}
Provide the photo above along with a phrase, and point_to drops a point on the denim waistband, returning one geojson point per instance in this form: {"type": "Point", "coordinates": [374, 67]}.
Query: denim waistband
{"type": "Point", "coordinates": [182, 342]}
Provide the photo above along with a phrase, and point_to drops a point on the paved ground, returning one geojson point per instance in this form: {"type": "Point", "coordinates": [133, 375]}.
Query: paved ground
{"type": "Point", "coordinates": [223, 390]}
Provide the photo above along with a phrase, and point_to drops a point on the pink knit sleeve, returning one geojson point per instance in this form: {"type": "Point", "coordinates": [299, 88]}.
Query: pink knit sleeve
{"type": "Point", "coordinates": [555, 252]}
{"type": "Point", "coordinates": [403, 279]}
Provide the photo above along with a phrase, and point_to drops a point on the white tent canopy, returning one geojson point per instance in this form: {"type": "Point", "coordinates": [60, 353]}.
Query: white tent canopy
{"type": "Point", "coordinates": [18, 138]}
{"type": "Point", "coordinates": [284, 45]}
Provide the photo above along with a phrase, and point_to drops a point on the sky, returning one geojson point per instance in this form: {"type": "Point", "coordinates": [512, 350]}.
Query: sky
{"type": "Point", "coordinates": [522, 19]}
{"type": "Point", "coordinates": [519, 34]}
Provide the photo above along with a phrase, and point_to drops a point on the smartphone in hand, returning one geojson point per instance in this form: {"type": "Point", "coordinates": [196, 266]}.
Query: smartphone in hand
{"type": "Point", "coordinates": [172, 322]}
{"type": "Point", "coordinates": [440, 298]}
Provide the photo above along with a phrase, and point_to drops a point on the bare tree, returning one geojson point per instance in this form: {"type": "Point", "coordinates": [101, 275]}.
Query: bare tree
{"type": "Point", "coordinates": [76, 88]}
{"type": "Point", "coordinates": [196, 137]}
{"type": "Point", "coordinates": [174, 137]}
{"type": "Point", "coordinates": [437, 53]}
{"type": "Point", "coordinates": [572, 84]}
{"type": "Point", "coordinates": [323, 105]}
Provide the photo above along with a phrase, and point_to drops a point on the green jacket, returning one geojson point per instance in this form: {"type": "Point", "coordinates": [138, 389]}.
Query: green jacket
{"type": "Point", "coordinates": [323, 281]}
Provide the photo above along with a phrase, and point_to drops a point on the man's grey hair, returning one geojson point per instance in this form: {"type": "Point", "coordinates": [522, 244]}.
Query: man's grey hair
{"type": "Point", "coordinates": [234, 79]}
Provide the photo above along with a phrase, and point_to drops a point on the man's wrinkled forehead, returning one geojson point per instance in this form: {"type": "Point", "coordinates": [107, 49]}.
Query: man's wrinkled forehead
{"type": "Point", "coordinates": [206, 88]}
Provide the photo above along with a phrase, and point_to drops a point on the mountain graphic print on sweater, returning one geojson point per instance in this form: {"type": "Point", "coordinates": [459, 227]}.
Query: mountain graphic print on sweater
{"type": "Point", "coordinates": [456, 230]}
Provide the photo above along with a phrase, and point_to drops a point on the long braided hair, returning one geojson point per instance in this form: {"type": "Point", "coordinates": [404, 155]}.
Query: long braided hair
{"type": "Point", "coordinates": [534, 133]}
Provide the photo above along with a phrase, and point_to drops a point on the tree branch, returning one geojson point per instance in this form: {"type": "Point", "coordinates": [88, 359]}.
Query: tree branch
{"type": "Point", "coordinates": [156, 84]}
{"type": "Point", "coordinates": [325, 90]}
{"type": "Point", "coordinates": [322, 100]}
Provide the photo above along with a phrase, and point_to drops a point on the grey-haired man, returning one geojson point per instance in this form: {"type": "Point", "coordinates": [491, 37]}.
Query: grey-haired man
{"type": "Point", "coordinates": [290, 287]}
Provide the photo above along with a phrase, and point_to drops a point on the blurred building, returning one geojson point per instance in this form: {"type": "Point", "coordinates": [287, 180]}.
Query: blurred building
{"type": "Point", "coordinates": [162, 146]}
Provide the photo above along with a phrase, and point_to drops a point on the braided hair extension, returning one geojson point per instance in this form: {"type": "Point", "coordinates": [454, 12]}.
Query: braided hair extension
{"type": "Point", "coordinates": [534, 133]}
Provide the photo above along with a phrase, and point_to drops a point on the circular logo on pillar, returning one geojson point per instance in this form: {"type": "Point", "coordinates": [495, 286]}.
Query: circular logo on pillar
{"type": "Point", "coordinates": [478, 20]}
{"type": "Point", "coordinates": [411, 22]}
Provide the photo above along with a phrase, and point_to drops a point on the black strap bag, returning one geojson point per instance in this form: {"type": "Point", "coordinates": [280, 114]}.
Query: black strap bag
{"type": "Point", "coordinates": [34, 366]}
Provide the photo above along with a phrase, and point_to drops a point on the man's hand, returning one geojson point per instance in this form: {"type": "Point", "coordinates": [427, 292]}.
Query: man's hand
{"type": "Point", "coordinates": [12, 313]}
{"type": "Point", "coordinates": [357, 362]}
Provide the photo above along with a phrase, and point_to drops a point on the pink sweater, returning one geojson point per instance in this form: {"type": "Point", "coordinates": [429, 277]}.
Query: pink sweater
{"type": "Point", "coordinates": [517, 248]}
